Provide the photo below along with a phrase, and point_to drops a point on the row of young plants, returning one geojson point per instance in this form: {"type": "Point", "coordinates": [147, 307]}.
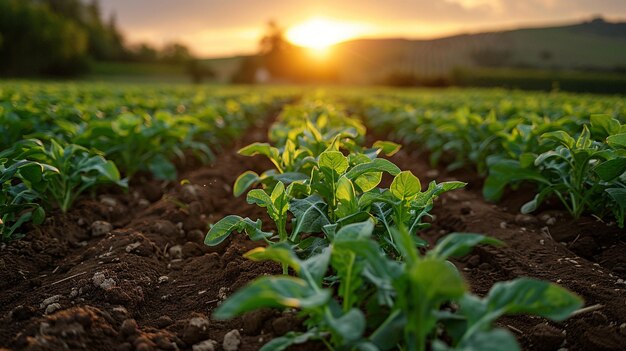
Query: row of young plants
{"type": "Point", "coordinates": [353, 263]}
{"type": "Point", "coordinates": [60, 140]}
{"type": "Point", "coordinates": [566, 144]}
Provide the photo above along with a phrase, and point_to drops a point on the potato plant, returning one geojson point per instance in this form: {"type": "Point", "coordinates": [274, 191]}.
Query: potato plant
{"type": "Point", "coordinates": [60, 141]}
{"type": "Point", "coordinates": [362, 259]}
{"type": "Point", "coordinates": [519, 136]}
{"type": "Point", "coordinates": [587, 174]}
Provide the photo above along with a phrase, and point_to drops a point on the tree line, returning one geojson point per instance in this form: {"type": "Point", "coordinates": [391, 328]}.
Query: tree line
{"type": "Point", "coordinates": [62, 38]}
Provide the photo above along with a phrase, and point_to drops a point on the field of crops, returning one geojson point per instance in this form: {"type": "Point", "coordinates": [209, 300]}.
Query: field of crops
{"type": "Point", "coordinates": [281, 218]}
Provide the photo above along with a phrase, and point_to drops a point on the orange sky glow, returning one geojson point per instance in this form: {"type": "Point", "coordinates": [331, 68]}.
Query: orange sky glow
{"type": "Point", "coordinates": [213, 28]}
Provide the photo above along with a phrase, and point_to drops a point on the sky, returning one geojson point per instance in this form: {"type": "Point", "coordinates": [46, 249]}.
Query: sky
{"type": "Point", "coordinates": [214, 28]}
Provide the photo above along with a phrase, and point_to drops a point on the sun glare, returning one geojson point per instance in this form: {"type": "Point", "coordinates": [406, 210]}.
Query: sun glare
{"type": "Point", "coordinates": [320, 33]}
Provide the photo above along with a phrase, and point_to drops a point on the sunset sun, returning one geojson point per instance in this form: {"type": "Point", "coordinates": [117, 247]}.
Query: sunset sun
{"type": "Point", "coordinates": [320, 33]}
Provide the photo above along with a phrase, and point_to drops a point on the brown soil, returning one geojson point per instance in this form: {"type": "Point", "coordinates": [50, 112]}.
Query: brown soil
{"type": "Point", "coordinates": [151, 284]}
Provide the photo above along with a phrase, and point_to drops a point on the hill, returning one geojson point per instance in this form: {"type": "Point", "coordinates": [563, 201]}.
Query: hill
{"type": "Point", "coordinates": [595, 45]}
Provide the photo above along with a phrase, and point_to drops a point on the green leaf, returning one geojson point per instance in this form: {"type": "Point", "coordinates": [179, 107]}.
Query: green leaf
{"type": "Point", "coordinates": [350, 326]}
{"type": "Point", "coordinates": [32, 172]}
{"type": "Point", "coordinates": [348, 267]}
{"type": "Point", "coordinates": [617, 141]}
{"type": "Point", "coordinates": [316, 266]}
{"type": "Point", "coordinates": [537, 200]}
{"type": "Point", "coordinates": [368, 181]}
{"type": "Point", "coordinates": [459, 244]}
{"type": "Point", "coordinates": [522, 295]}
{"type": "Point", "coordinates": [438, 280]}
{"type": "Point", "coordinates": [389, 334]}
{"type": "Point", "coordinates": [225, 226]}
{"type": "Point", "coordinates": [290, 177]}
{"type": "Point", "coordinates": [277, 253]}
{"type": "Point", "coordinates": [310, 215]}
{"type": "Point", "coordinates": [277, 195]}
{"type": "Point", "coordinates": [490, 340]}
{"type": "Point", "coordinates": [289, 339]}
{"type": "Point", "coordinates": [264, 149]}
{"type": "Point", "coordinates": [377, 165]}
{"type": "Point", "coordinates": [611, 169]}
{"type": "Point", "coordinates": [38, 216]}
{"type": "Point", "coordinates": [245, 181]}
{"type": "Point", "coordinates": [281, 291]}
{"type": "Point", "coordinates": [584, 139]}
{"type": "Point", "coordinates": [346, 198]}
{"type": "Point", "coordinates": [618, 195]}
{"type": "Point", "coordinates": [334, 160]}
{"type": "Point", "coordinates": [387, 147]}
{"type": "Point", "coordinates": [502, 172]}
{"type": "Point", "coordinates": [355, 230]}
{"type": "Point", "coordinates": [405, 186]}
{"type": "Point", "coordinates": [260, 198]}
{"type": "Point", "coordinates": [603, 125]}
{"type": "Point", "coordinates": [561, 137]}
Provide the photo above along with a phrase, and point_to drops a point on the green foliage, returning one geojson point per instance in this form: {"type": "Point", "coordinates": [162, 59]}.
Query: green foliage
{"type": "Point", "coordinates": [520, 137]}
{"type": "Point", "coordinates": [62, 140]}
{"type": "Point", "coordinates": [360, 256]}
{"type": "Point", "coordinates": [586, 174]}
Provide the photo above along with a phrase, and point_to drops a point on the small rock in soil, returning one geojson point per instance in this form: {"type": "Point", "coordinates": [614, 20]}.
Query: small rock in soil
{"type": "Point", "coordinates": [108, 201]}
{"type": "Point", "coordinates": [164, 321]}
{"type": "Point", "coordinates": [131, 247]}
{"type": "Point", "coordinates": [129, 327]}
{"type": "Point", "coordinates": [222, 294]}
{"type": "Point", "coordinates": [50, 300]}
{"type": "Point", "coordinates": [22, 312]}
{"type": "Point", "coordinates": [524, 219]}
{"type": "Point", "coordinates": [100, 228]}
{"type": "Point", "coordinates": [73, 293]}
{"type": "Point", "coordinates": [176, 252]}
{"type": "Point", "coordinates": [53, 307]}
{"type": "Point", "coordinates": [196, 331]}
{"type": "Point", "coordinates": [101, 281]}
{"type": "Point", "coordinates": [546, 337]}
{"type": "Point", "coordinates": [232, 340]}
{"type": "Point", "coordinates": [206, 345]}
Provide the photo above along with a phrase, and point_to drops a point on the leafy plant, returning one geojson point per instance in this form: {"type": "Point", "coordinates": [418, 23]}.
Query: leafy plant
{"type": "Point", "coordinates": [403, 299]}
{"type": "Point", "coordinates": [583, 173]}
{"type": "Point", "coordinates": [367, 262]}
{"type": "Point", "coordinates": [21, 183]}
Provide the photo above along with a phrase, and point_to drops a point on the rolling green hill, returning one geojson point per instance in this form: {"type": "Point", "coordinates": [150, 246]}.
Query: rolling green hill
{"type": "Point", "coordinates": [596, 45]}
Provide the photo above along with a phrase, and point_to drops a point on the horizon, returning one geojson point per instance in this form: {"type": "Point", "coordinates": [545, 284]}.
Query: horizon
{"type": "Point", "coordinates": [216, 29]}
